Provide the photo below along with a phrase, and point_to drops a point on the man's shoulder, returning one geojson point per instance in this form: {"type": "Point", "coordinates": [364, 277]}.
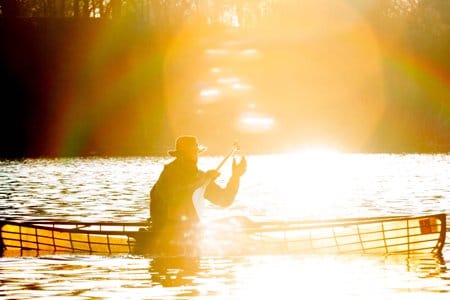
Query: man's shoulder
{"type": "Point", "coordinates": [170, 166]}
{"type": "Point", "coordinates": [175, 167]}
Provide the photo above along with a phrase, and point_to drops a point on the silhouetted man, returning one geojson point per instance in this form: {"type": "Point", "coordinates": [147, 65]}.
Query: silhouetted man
{"type": "Point", "coordinates": [171, 204]}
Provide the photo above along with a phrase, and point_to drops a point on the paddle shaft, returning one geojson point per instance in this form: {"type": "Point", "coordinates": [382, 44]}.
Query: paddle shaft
{"type": "Point", "coordinates": [235, 148]}
{"type": "Point", "coordinates": [197, 196]}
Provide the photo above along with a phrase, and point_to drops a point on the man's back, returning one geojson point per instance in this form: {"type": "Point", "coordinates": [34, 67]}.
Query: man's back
{"type": "Point", "coordinates": [171, 196]}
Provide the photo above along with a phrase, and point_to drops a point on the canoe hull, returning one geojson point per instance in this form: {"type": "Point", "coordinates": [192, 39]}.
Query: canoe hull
{"type": "Point", "coordinates": [422, 234]}
{"type": "Point", "coordinates": [68, 237]}
{"type": "Point", "coordinates": [389, 235]}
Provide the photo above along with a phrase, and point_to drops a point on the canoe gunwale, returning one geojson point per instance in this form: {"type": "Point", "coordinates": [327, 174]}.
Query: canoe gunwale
{"type": "Point", "coordinates": [287, 226]}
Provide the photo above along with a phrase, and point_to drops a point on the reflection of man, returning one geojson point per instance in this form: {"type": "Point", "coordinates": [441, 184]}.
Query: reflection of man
{"type": "Point", "coordinates": [175, 271]}
{"type": "Point", "coordinates": [171, 203]}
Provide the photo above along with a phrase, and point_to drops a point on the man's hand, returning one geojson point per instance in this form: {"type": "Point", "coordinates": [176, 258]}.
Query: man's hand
{"type": "Point", "coordinates": [208, 176]}
{"type": "Point", "coordinates": [212, 174]}
{"type": "Point", "coordinates": [239, 169]}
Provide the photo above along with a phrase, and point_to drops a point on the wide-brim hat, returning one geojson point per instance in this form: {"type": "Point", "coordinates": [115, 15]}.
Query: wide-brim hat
{"type": "Point", "coordinates": [186, 143]}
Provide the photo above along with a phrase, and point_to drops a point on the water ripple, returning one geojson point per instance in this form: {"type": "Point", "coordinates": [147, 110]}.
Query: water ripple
{"type": "Point", "coordinates": [274, 187]}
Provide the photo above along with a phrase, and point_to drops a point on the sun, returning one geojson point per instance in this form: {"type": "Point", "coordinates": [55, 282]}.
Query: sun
{"type": "Point", "coordinates": [320, 179]}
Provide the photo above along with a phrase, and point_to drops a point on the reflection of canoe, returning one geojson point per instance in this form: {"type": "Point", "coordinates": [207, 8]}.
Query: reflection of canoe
{"type": "Point", "coordinates": [381, 235]}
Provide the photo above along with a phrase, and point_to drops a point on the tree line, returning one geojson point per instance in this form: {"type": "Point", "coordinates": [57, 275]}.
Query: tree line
{"type": "Point", "coordinates": [152, 11]}
{"type": "Point", "coordinates": [46, 50]}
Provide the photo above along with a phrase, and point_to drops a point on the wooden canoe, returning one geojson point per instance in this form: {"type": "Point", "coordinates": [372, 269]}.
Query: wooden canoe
{"type": "Point", "coordinates": [373, 235]}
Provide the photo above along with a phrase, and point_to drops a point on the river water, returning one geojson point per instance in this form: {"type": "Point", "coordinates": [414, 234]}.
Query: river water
{"type": "Point", "coordinates": [308, 185]}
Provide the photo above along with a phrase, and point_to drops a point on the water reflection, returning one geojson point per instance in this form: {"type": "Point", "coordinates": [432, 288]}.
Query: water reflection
{"type": "Point", "coordinates": [304, 186]}
{"type": "Point", "coordinates": [195, 276]}
{"type": "Point", "coordinates": [174, 271]}
{"type": "Point", "coordinates": [309, 186]}
{"type": "Point", "coordinates": [432, 265]}
{"type": "Point", "coordinates": [241, 277]}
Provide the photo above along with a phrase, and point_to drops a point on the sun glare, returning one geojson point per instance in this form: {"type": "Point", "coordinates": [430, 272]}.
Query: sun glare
{"type": "Point", "coordinates": [321, 181]}
{"type": "Point", "coordinates": [300, 88]}
{"type": "Point", "coordinates": [319, 152]}
{"type": "Point", "coordinates": [241, 86]}
{"type": "Point", "coordinates": [209, 92]}
{"type": "Point", "coordinates": [228, 80]}
{"type": "Point", "coordinates": [309, 276]}
{"type": "Point", "coordinates": [216, 70]}
{"type": "Point", "coordinates": [256, 122]}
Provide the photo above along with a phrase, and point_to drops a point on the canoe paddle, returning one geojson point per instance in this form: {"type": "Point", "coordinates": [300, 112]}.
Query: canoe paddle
{"type": "Point", "coordinates": [197, 196]}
